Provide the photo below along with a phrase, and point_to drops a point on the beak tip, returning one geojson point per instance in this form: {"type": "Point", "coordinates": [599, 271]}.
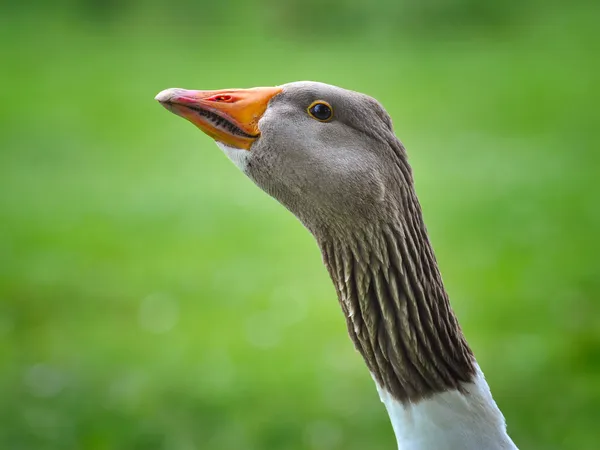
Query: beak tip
{"type": "Point", "coordinates": [165, 96]}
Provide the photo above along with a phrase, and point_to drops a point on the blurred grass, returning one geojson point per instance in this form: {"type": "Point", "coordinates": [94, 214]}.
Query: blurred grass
{"type": "Point", "coordinates": [152, 298]}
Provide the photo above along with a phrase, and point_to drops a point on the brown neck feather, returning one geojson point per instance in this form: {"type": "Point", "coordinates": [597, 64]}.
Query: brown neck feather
{"type": "Point", "coordinates": [396, 308]}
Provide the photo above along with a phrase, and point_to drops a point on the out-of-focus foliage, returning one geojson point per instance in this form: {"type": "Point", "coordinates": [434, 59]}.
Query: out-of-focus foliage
{"type": "Point", "coordinates": [152, 298]}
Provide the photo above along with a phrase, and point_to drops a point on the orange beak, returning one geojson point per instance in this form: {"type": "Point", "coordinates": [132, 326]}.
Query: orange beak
{"type": "Point", "coordinates": [230, 116]}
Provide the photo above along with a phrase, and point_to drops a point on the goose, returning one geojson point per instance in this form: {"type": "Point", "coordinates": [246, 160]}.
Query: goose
{"type": "Point", "coordinates": [331, 157]}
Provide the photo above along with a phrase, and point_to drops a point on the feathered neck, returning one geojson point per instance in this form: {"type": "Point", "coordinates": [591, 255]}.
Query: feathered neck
{"type": "Point", "coordinates": [397, 309]}
{"type": "Point", "coordinates": [400, 320]}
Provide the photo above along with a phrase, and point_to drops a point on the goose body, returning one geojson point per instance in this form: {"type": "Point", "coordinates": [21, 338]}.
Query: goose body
{"type": "Point", "coordinates": [331, 157]}
{"type": "Point", "coordinates": [468, 420]}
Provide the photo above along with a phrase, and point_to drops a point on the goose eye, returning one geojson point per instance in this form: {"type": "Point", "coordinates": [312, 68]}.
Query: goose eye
{"type": "Point", "coordinates": [321, 111]}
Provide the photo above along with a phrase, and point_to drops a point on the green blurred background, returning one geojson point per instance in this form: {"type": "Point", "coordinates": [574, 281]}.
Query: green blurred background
{"type": "Point", "coordinates": [151, 297]}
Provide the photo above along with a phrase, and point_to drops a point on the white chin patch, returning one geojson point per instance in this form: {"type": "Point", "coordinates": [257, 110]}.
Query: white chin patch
{"type": "Point", "coordinates": [237, 155]}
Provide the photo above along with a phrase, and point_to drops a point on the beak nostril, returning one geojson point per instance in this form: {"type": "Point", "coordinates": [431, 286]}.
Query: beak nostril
{"type": "Point", "coordinates": [220, 98]}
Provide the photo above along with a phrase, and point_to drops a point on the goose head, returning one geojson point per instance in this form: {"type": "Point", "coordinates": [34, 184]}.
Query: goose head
{"type": "Point", "coordinates": [330, 156]}
{"type": "Point", "coordinates": [327, 154]}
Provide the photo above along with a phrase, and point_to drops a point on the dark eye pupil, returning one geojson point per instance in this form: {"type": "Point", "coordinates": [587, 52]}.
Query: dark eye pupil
{"type": "Point", "coordinates": [321, 111]}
